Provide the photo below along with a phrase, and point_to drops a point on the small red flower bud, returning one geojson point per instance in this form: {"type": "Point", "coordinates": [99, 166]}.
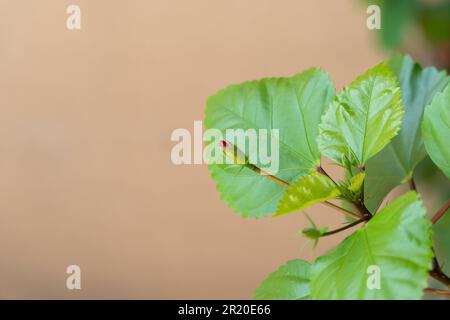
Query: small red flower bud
{"type": "Point", "coordinates": [223, 143]}
{"type": "Point", "coordinates": [233, 153]}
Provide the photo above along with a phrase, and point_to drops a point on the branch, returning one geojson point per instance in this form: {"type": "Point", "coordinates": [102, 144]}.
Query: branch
{"type": "Point", "coordinates": [359, 206]}
{"type": "Point", "coordinates": [348, 213]}
{"type": "Point", "coordinates": [237, 156]}
{"type": "Point", "coordinates": [348, 226]}
{"type": "Point", "coordinates": [438, 274]}
{"type": "Point", "coordinates": [440, 212]}
{"type": "Point", "coordinates": [286, 185]}
{"type": "Point", "coordinates": [268, 175]}
{"type": "Point", "coordinates": [322, 171]}
{"type": "Point", "coordinates": [445, 293]}
{"type": "Point", "coordinates": [341, 210]}
{"type": "Point", "coordinates": [412, 184]}
{"type": "Point", "coordinates": [362, 207]}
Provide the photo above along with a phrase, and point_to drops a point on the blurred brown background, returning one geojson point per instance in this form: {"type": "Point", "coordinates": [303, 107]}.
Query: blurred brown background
{"type": "Point", "coordinates": [86, 116]}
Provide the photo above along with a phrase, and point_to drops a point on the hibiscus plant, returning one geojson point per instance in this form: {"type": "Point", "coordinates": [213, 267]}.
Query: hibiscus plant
{"type": "Point", "coordinates": [378, 129]}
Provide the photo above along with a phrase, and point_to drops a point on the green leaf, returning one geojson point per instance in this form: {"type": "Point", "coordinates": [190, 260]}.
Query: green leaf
{"type": "Point", "coordinates": [307, 191]}
{"type": "Point", "coordinates": [362, 119]}
{"type": "Point", "coordinates": [436, 130]}
{"type": "Point", "coordinates": [292, 105]}
{"type": "Point", "coordinates": [397, 240]}
{"type": "Point", "coordinates": [312, 232]}
{"type": "Point", "coordinates": [395, 163]}
{"type": "Point", "coordinates": [441, 240]}
{"type": "Point", "coordinates": [356, 182]}
{"type": "Point", "coordinates": [289, 282]}
{"type": "Point", "coordinates": [434, 186]}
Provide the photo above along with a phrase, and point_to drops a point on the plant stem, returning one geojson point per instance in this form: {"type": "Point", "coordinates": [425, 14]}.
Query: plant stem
{"type": "Point", "coordinates": [348, 226]}
{"type": "Point", "coordinates": [438, 274]}
{"type": "Point", "coordinates": [362, 209]}
{"type": "Point", "coordinates": [438, 292]}
{"type": "Point", "coordinates": [346, 212]}
{"type": "Point", "coordinates": [441, 212]}
{"type": "Point", "coordinates": [359, 205]}
{"type": "Point", "coordinates": [322, 171]}
{"type": "Point", "coordinates": [342, 210]}
{"type": "Point", "coordinates": [355, 206]}
{"type": "Point", "coordinates": [412, 184]}
{"type": "Point", "coordinates": [286, 185]}
{"type": "Point", "coordinates": [268, 176]}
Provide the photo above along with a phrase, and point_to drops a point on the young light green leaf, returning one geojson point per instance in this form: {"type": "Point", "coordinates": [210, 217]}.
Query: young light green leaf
{"type": "Point", "coordinates": [436, 130]}
{"type": "Point", "coordinates": [312, 188]}
{"type": "Point", "coordinates": [362, 119]}
{"type": "Point", "coordinates": [389, 258]}
{"type": "Point", "coordinates": [356, 182]}
{"type": "Point", "coordinates": [289, 282]}
{"type": "Point", "coordinates": [291, 105]}
{"type": "Point", "coordinates": [312, 232]}
{"type": "Point", "coordinates": [396, 162]}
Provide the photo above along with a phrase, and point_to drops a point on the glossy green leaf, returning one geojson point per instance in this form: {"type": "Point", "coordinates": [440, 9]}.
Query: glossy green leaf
{"type": "Point", "coordinates": [291, 105]}
{"type": "Point", "coordinates": [362, 119]}
{"type": "Point", "coordinates": [396, 162]}
{"type": "Point", "coordinates": [310, 189]}
{"type": "Point", "coordinates": [436, 130]}
{"type": "Point", "coordinates": [289, 282]}
{"type": "Point", "coordinates": [397, 241]}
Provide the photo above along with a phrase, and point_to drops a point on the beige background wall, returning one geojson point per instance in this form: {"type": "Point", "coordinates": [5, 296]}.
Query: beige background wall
{"type": "Point", "coordinates": [85, 123]}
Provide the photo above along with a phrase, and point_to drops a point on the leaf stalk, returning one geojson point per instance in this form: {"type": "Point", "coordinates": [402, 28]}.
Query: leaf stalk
{"type": "Point", "coordinates": [441, 212]}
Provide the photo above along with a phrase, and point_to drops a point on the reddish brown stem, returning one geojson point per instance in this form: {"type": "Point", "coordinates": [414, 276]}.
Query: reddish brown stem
{"type": "Point", "coordinates": [441, 212]}
{"type": "Point", "coordinates": [342, 210]}
{"type": "Point", "coordinates": [348, 226]}
{"type": "Point", "coordinates": [438, 274]}
{"type": "Point", "coordinates": [412, 184]}
{"type": "Point", "coordinates": [322, 171]}
{"type": "Point", "coordinates": [445, 293]}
